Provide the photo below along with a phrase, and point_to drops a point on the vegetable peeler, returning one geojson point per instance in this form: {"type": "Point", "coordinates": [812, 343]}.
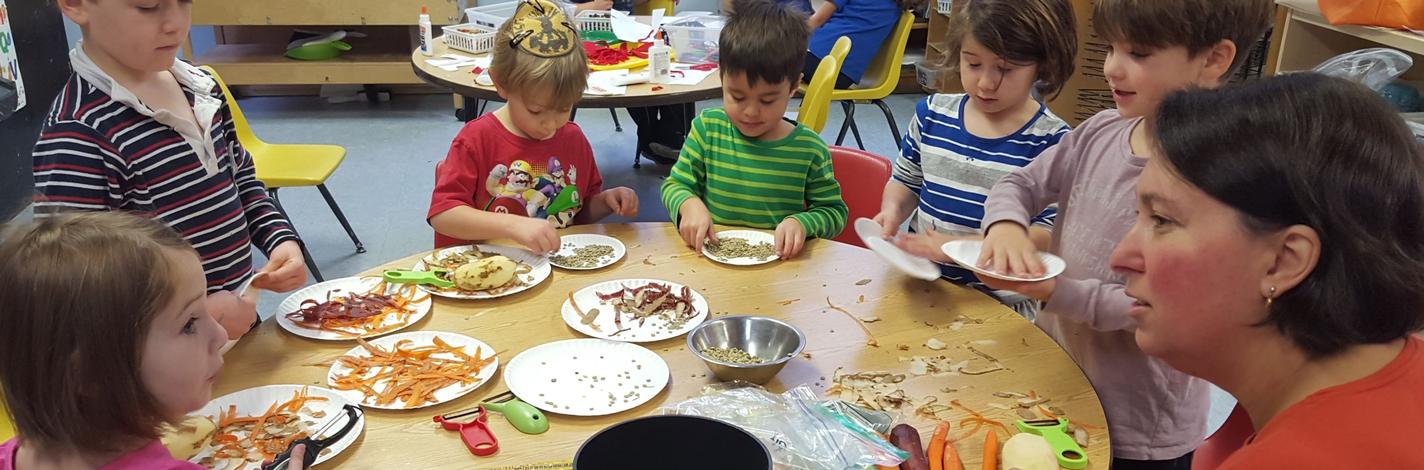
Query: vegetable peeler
{"type": "Point", "coordinates": [475, 433]}
{"type": "Point", "coordinates": [523, 416]}
{"type": "Point", "coordinates": [1055, 431]}
{"type": "Point", "coordinates": [315, 445]}
{"type": "Point", "coordinates": [401, 276]}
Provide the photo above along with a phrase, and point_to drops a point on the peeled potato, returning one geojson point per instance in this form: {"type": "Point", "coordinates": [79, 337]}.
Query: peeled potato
{"type": "Point", "coordinates": [187, 438]}
{"type": "Point", "coordinates": [1027, 451]}
{"type": "Point", "coordinates": [485, 273]}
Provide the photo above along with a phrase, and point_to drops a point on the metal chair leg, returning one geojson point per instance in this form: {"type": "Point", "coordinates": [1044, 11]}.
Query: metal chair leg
{"type": "Point", "coordinates": [849, 108]}
{"type": "Point", "coordinates": [311, 263]}
{"type": "Point", "coordinates": [331, 202]}
{"type": "Point", "coordinates": [890, 119]}
{"type": "Point", "coordinates": [855, 130]}
{"type": "Point", "coordinates": [617, 126]}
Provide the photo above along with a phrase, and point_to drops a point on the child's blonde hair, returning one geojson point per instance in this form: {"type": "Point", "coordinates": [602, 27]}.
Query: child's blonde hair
{"type": "Point", "coordinates": [79, 294]}
{"type": "Point", "coordinates": [1037, 31]}
{"type": "Point", "coordinates": [517, 68]}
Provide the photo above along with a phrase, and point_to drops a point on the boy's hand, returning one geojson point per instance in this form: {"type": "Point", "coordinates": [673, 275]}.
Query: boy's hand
{"type": "Point", "coordinates": [1008, 250]}
{"type": "Point", "coordinates": [622, 201]}
{"type": "Point", "coordinates": [235, 313]}
{"type": "Point", "coordinates": [537, 235]}
{"type": "Point", "coordinates": [790, 238]}
{"type": "Point", "coordinates": [695, 224]}
{"type": "Point", "coordinates": [285, 270]}
{"type": "Point", "coordinates": [1041, 290]}
{"type": "Point", "coordinates": [888, 227]}
{"type": "Point", "coordinates": [927, 245]}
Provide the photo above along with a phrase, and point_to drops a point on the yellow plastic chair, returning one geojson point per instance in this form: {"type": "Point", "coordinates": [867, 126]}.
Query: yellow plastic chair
{"type": "Point", "coordinates": [647, 7]}
{"type": "Point", "coordinates": [880, 80]}
{"type": "Point", "coordinates": [816, 104]}
{"type": "Point", "coordinates": [288, 165]}
{"type": "Point", "coordinates": [7, 425]}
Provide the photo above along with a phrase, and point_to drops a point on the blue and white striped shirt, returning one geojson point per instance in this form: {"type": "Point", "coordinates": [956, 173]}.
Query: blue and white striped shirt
{"type": "Point", "coordinates": [952, 170]}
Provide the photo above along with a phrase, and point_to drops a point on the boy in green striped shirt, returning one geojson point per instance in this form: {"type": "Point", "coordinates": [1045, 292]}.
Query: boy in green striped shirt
{"type": "Point", "coordinates": [746, 164]}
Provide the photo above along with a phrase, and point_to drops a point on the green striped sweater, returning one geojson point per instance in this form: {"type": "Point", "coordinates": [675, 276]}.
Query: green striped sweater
{"type": "Point", "coordinates": [753, 183]}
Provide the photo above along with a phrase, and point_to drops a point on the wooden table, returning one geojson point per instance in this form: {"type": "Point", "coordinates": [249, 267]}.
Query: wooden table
{"type": "Point", "coordinates": [796, 291]}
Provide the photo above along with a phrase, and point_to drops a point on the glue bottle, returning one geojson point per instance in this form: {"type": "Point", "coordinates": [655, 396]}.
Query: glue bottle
{"type": "Point", "coordinates": [659, 61]}
{"type": "Point", "coordinates": [425, 39]}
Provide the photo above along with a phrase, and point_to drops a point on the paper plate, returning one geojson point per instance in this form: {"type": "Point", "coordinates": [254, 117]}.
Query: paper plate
{"type": "Point", "coordinates": [345, 286]}
{"type": "Point", "coordinates": [256, 401]}
{"type": "Point", "coordinates": [419, 338]}
{"type": "Point", "coordinates": [652, 329]}
{"type": "Point", "coordinates": [751, 236]}
{"type": "Point", "coordinates": [586, 377]}
{"type": "Point", "coordinates": [915, 266]}
{"type": "Point", "coordinates": [539, 264]}
{"type": "Point", "coordinates": [569, 243]}
{"type": "Point", "coordinates": [966, 253]}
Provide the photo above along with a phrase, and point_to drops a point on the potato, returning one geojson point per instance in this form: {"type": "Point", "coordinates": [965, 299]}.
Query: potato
{"type": "Point", "coordinates": [485, 273]}
{"type": "Point", "coordinates": [1027, 451]}
{"type": "Point", "coordinates": [188, 437]}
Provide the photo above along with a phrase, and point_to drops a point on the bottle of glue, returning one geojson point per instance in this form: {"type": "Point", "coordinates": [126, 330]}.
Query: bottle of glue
{"type": "Point", "coordinates": [425, 39]}
{"type": "Point", "coordinates": [659, 61]}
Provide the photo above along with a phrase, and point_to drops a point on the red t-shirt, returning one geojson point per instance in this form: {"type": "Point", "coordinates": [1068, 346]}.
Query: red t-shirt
{"type": "Point", "coordinates": [1365, 424]}
{"type": "Point", "coordinates": [490, 168]}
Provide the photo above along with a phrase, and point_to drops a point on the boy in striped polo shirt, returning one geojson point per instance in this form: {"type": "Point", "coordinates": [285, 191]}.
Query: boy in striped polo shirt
{"type": "Point", "coordinates": [745, 164]}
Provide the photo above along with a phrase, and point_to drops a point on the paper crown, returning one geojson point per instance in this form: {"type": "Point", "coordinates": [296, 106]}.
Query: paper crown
{"type": "Point", "coordinates": [543, 29]}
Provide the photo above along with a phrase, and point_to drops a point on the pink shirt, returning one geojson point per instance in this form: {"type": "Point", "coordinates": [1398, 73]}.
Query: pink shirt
{"type": "Point", "coordinates": [1154, 411]}
{"type": "Point", "coordinates": [151, 457]}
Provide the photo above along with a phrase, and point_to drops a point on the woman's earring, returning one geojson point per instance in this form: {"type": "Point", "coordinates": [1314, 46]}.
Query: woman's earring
{"type": "Point", "coordinates": [1271, 296]}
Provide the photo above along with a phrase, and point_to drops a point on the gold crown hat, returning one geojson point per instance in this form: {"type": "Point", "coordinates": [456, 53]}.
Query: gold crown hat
{"type": "Point", "coordinates": [543, 29]}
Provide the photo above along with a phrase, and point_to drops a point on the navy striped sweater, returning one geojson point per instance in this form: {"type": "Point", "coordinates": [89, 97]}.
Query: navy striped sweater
{"type": "Point", "coordinates": [98, 154]}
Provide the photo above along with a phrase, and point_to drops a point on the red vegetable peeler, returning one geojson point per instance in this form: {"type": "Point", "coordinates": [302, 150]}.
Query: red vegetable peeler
{"type": "Point", "coordinates": [475, 433]}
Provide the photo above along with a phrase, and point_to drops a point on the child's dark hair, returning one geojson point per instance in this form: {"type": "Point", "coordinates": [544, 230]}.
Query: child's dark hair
{"type": "Point", "coordinates": [1197, 25]}
{"type": "Point", "coordinates": [80, 293]}
{"type": "Point", "coordinates": [1040, 32]}
{"type": "Point", "coordinates": [765, 41]}
{"type": "Point", "coordinates": [1306, 149]}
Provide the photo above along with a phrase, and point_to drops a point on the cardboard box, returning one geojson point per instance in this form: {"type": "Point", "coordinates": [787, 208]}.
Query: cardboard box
{"type": "Point", "coordinates": [1086, 93]}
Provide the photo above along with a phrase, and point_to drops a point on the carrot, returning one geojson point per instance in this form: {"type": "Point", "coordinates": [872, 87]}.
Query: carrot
{"type": "Point", "coordinates": [951, 457]}
{"type": "Point", "coordinates": [936, 449]}
{"type": "Point", "coordinates": [991, 450]}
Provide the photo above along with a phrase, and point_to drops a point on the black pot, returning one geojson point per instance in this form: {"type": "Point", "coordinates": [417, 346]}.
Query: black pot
{"type": "Point", "coordinates": [673, 442]}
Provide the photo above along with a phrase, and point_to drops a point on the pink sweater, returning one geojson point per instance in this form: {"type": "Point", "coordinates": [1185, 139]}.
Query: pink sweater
{"type": "Point", "coordinates": [151, 457]}
{"type": "Point", "coordinates": [1154, 411]}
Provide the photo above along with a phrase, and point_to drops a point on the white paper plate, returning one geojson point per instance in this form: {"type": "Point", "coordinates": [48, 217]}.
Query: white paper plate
{"type": "Point", "coordinates": [966, 253]}
{"type": "Point", "coordinates": [337, 287]}
{"type": "Point", "coordinates": [419, 338]}
{"type": "Point", "coordinates": [586, 377]}
{"type": "Point", "coordinates": [255, 401]}
{"type": "Point", "coordinates": [575, 241]}
{"type": "Point", "coordinates": [915, 266]}
{"type": "Point", "coordinates": [653, 329]}
{"type": "Point", "coordinates": [541, 271]}
{"type": "Point", "coordinates": [751, 236]}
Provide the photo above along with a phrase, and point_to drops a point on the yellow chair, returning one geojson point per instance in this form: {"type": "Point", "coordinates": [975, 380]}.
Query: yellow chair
{"type": "Point", "coordinates": [647, 7]}
{"type": "Point", "coordinates": [288, 165]}
{"type": "Point", "coordinates": [816, 104]}
{"type": "Point", "coordinates": [880, 79]}
{"type": "Point", "coordinates": [7, 425]}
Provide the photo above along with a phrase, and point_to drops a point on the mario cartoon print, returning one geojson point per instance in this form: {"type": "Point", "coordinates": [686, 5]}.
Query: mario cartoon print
{"type": "Point", "coordinates": [548, 193]}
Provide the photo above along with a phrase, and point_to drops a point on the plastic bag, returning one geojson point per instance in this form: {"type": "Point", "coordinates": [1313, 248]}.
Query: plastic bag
{"type": "Point", "coordinates": [1374, 68]}
{"type": "Point", "coordinates": [801, 431]}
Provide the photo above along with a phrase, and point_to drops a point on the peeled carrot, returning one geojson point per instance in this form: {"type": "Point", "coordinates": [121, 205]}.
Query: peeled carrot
{"type": "Point", "coordinates": [951, 457]}
{"type": "Point", "coordinates": [991, 450]}
{"type": "Point", "coordinates": [936, 449]}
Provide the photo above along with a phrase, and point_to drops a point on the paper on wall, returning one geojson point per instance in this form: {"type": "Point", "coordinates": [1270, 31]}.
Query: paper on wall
{"type": "Point", "coordinates": [9, 59]}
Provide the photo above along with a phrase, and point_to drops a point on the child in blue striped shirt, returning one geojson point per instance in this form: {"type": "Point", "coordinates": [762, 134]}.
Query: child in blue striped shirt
{"type": "Point", "coordinates": [960, 144]}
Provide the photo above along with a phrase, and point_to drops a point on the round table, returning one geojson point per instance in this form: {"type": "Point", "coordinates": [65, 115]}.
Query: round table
{"type": "Point", "coordinates": [797, 291]}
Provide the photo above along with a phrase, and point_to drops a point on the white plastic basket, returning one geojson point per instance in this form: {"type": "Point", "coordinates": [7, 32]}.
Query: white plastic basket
{"type": "Point", "coordinates": [590, 20]}
{"type": "Point", "coordinates": [494, 15]}
{"type": "Point", "coordinates": [943, 6]}
{"type": "Point", "coordinates": [474, 38]}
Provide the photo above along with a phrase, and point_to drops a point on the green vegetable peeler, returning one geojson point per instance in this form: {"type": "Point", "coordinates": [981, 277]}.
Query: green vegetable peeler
{"type": "Point", "coordinates": [1055, 431]}
{"type": "Point", "coordinates": [523, 416]}
{"type": "Point", "coordinates": [401, 276]}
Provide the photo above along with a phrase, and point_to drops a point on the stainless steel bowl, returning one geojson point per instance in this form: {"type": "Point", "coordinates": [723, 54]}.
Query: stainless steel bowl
{"type": "Point", "coordinates": [762, 337]}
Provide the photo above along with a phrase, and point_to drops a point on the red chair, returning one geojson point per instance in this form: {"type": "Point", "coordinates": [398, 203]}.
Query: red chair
{"type": "Point", "coordinates": [862, 176]}
{"type": "Point", "coordinates": [1226, 440]}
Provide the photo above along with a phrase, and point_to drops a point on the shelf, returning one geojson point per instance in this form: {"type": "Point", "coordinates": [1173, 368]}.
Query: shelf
{"type": "Point", "coordinates": [322, 13]}
{"type": "Point", "coordinates": [1308, 11]}
{"type": "Point", "coordinates": [264, 64]}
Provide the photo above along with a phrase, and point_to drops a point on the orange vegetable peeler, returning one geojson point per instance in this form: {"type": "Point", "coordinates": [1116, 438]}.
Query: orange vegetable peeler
{"type": "Point", "coordinates": [475, 433]}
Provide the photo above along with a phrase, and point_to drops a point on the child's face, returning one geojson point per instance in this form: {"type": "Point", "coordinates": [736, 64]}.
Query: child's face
{"type": "Point", "coordinates": [993, 83]}
{"type": "Point", "coordinates": [1141, 77]}
{"type": "Point", "coordinates": [139, 35]}
{"type": "Point", "coordinates": [757, 109]}
{"type": "Point", "coordinates": [536, 117]}
{"type": "Point", "coordinates": [181, 354]}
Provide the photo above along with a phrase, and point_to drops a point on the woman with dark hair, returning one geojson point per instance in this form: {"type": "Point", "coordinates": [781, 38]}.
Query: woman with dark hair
{"type": "Point", "coordinates": [1279, 253]}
